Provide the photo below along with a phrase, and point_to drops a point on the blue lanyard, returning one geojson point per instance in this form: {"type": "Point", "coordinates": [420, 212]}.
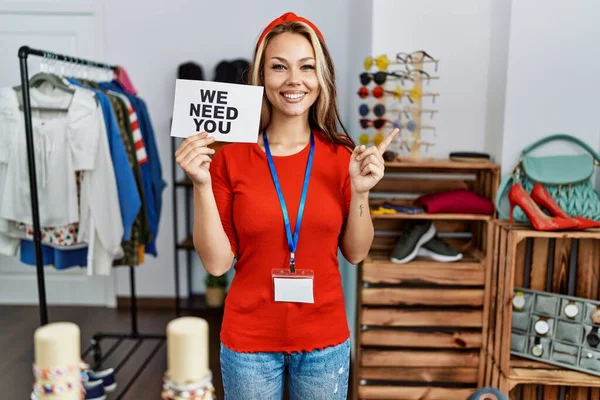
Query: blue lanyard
{"type": "Point", "coordinates": [292, 242]}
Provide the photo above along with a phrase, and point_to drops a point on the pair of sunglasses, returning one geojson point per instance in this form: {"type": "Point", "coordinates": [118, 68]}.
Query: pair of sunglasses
{"type": "Point", "coordinates": [415, 57]}
{"type": "Point", "coordinates": [380, 77]}
{"type": "Point", "coordinates": [365, 139]}
{"type": "Point", "coordinates": [410, 125]}
{"type": "Point", "coordinates": [375, 123]}
{"type": "Point", "coordinates": [382, 62]}
{"type": "Point", "coordinates": [378, 92]}
{"type": "Point", "coordinates": [378, 110]}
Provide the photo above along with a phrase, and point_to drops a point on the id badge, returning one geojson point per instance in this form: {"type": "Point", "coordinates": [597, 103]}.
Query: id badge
{"type": "Point", "coordinates": [293, 287]}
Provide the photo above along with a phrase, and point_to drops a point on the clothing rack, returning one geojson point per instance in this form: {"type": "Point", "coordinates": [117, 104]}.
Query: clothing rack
{"type": "Point", "coordinates": [23, 53]}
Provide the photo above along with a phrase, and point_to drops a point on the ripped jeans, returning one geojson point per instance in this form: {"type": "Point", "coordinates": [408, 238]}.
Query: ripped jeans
{"type": "Point", "coordinates": [316, 375]}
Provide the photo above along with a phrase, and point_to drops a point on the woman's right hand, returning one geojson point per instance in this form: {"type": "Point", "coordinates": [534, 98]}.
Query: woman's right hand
{"type": "Point", "coordinates": [193, 157]}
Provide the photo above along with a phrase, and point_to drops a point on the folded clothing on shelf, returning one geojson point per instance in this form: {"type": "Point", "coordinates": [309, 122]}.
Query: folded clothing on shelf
{"type": "Point", "coordinates": [391, 208]}
{"type": "Point", "coordinates": [458, 201]}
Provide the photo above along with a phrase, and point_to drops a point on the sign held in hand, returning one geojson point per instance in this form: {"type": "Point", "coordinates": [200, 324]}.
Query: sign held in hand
{"type": "Point", "coordinates": [229, 112]}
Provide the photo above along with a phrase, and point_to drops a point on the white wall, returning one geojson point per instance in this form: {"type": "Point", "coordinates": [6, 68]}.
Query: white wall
{"type": "Point", "coordinates": [552, 80]}
{"type": "Point", "coordinates": [496, 85]}
{"type": "Point", "coordinates": [458, 33]}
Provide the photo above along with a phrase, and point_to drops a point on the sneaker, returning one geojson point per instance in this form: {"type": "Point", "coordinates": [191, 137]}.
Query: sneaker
{"type": "Point", "coordinates": [107, 377]}
{"type": "Point", "coordinates": [438, 250]}
{"type": "Point", "coordinates": [411, 240]}
{"type": "Point", "coordinates": [94, 390]}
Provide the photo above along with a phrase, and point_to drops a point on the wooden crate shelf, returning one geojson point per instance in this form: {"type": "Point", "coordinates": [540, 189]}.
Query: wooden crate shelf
{"type": "Point", "coordinates": [439, 165]}
{"type": "Point", "coordinates": [437, 340]}
{"type": "Point", "coordinates": [550, 377]}
{"type": "Point", "coordinates": [466, 217]}
{"type": "Point", "coordinates": [413, 393]}
{"type": "Point", "coordinates": [420, 374]}
{"type": "Point", "coordinates": [420, 325]}
{"type": "Point", "coordinates": [470, 272]}
{"type": "Point", "coordinates": [522, 257]}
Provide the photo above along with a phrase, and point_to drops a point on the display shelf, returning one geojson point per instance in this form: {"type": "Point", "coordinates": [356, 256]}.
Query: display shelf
{"type": "Point", "coordinates": [435, 340]}
{"type": "Point", "coordinates": [550, 376]}
{"type": "Point", "coordinates": [563, 262]}
{"type": "Point", "coordinates": [470, 256]}
{"type": "Point", "coordinates": [413, 393]}
{"type": "Point", "coordinates": [420, 325]}
{"type": "Point", "coordinates": [424, 216]}
{"type": "Point", "coordinates": [438, 163]}
{"type": "Point", "coordinates": [524, 231]}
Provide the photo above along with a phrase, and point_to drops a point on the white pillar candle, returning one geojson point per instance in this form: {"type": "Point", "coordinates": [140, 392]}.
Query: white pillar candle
{"type": "Point", "coordinates": [187, 350]}
{"type": "Point", "coordinates": [57, 345]}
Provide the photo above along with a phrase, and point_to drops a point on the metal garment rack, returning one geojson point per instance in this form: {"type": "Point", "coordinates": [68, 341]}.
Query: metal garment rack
{"type": "Point", "coordinates": [94, 348]}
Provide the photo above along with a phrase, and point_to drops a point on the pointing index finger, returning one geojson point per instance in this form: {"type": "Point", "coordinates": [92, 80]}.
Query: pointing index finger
{"type": "Point", "coordinates": [388, 139]}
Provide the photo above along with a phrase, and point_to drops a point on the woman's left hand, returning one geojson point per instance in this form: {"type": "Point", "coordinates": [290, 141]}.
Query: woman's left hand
{"type": "Point", "coordinates": [367, 166]}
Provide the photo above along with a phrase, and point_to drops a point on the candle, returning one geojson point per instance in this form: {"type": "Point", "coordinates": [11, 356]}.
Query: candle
{"type": "Point", "coordinates": [187, 350]}
{"type": "Point", "coordinates": [57, 357]}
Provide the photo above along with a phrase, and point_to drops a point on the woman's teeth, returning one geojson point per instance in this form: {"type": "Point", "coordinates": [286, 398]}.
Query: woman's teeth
{"type": "Point", "coordinates": [294, 95]}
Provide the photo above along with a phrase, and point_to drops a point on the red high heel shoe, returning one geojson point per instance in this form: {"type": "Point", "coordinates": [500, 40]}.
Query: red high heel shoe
{"type": "Point", "coordinates": [517, 196]}
{"type": "Point", "coordinates": [541, 196]}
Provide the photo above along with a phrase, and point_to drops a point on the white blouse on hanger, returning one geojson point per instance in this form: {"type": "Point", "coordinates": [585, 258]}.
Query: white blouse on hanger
{"type": "Point", "coordinates": [63, 143]}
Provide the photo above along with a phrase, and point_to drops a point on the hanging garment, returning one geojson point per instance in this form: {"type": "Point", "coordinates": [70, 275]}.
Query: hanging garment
{"type": "Point", "coordinates": [56, 161]}
{"type": "Point", "coordinates": [59, 237]}
{"type": "Point", "coordinates": [138, 141]}
{"type": "Point", "coordinates": [78, 139]}
{"type": "Point", "coordinates": [8, 125]}
{"type": "Point", "coordinates": [141, 230]}
{"type": "Point", "coordinates": [60, 259]}
{"type": "Point", "coordinates": [152, 171]}
{"type": "Point", "coordinates": [65, 143]}
{"type": "Point", "coordinates": [129, 198]}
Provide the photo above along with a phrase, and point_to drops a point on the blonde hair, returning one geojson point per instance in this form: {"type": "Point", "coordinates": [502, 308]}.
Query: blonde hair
{"type": "Point", "coordinates": [323, 114]}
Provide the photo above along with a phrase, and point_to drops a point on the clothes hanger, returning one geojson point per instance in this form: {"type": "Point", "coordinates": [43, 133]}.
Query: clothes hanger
{"type": "Point", "coordinates": [46, 75]}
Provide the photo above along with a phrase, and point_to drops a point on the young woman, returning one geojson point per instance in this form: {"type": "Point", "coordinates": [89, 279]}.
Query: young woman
{"type": "Point", "coordinates": [284, 312]}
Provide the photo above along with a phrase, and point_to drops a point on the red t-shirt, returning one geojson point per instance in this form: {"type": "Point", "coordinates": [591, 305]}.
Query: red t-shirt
{"type": "Point", "coordinates": [251, 216]}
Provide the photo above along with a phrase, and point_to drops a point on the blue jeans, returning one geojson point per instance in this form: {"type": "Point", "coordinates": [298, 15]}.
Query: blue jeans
{"type": "Point", "coordinates": [319, 374]}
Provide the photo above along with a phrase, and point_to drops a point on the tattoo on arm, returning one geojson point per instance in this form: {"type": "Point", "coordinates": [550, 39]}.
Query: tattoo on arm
{"type": "Point", "coordinates": [361, 209]}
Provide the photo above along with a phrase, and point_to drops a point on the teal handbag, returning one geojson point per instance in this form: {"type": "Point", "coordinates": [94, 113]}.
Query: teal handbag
{"type": "Point", "coordinates": [567, 178]}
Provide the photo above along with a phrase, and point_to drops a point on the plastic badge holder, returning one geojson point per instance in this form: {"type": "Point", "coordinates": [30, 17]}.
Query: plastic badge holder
{"type": "Point", "coordinates": [556, 329]}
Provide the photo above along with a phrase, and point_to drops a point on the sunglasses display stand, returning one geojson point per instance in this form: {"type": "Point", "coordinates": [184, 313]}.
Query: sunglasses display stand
{"type": "Point", "coordinates": [415, 144]}
{"type": "Point", "coordinates": [405, 108]}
